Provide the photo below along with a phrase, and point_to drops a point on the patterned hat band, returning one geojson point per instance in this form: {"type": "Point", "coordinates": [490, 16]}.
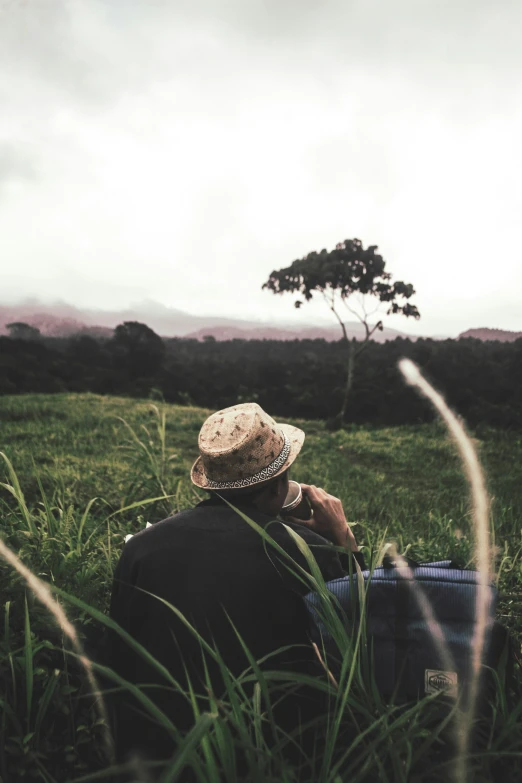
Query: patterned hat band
{"type": "Point", "coordinates": [262, 475]}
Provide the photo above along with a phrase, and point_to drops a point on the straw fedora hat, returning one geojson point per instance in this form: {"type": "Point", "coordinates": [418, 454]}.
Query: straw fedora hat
{"type": "Point", "coordinates": [242, 446]}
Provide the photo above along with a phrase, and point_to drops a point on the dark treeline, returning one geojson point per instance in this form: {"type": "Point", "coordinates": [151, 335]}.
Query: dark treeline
{"type": "Point", "coordinates": [482, 381]}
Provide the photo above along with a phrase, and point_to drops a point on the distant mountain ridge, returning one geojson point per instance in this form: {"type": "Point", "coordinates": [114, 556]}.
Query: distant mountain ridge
{"type": "Point", "coordinates": [484, 333]}
{"type": "Point", "coordinates": [63, 320]}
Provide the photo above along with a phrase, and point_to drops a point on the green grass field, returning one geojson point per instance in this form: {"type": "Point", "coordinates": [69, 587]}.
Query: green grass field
{"type": "Point", "coordinates": [90, 468]}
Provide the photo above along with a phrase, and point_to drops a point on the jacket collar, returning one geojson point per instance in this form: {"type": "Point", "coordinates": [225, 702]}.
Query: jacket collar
{"type": "Point", "coordinates": [245, 505]}
{"type": "Point", "coordinates": [216, 500]}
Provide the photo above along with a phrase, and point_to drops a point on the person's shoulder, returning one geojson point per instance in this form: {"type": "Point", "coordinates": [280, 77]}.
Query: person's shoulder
{"type": "Point", "coordinates": [157, 532]}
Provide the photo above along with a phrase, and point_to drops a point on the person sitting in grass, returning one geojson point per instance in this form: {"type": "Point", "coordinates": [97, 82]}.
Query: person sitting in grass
{"type": "Point", "coordinates": [234, 588]}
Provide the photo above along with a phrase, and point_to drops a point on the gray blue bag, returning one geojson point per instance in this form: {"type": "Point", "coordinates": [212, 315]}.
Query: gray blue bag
{"type": "Point", "coordinates": [407, 663]}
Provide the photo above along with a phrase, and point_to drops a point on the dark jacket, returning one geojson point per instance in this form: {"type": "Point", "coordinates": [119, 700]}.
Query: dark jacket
{"type": "Point", "coordinates": [215, 569]}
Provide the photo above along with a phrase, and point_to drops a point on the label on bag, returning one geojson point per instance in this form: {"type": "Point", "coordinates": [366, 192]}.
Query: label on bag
{"type": "Point", "coordinates": [436, 680]}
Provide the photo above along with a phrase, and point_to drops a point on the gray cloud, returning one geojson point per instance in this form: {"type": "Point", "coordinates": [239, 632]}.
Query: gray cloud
{"type": "Point", "coordinates": [91, 48]}
{"type": "Point", "coordinates": [151, 144]}
{"type": "Point", "coordinates": [15, 167]}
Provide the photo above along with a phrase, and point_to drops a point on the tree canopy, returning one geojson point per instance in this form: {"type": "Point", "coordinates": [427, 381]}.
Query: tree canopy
{"type": "Point", "coordinates": [338, 275]}
{"type": "Point", "coordinates": [138, 348]}
{"type": "Point", "coordinates": [19, 330]}
{"type": "Point", "coordinates": [347, 269]}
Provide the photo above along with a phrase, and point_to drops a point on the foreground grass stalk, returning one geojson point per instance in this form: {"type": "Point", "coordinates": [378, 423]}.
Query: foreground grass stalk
{"type": "Point", "coordinates": [28, 652]}
{"type": "Point", "coordinates": [325, 667]}
{"type": "Point", "coordinates": [480, 504]}
{"type": "Point", "coordinates": [42, 592]}
{"type": "Point", "coordinates": [16, 491]}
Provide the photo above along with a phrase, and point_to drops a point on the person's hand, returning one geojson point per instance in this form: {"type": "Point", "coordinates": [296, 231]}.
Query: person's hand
{"type": "Point", "coordinates": [328, 519]}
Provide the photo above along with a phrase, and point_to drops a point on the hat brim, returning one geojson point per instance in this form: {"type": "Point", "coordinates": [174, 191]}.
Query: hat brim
{"type": "Point", "coordinates": [296, 438]}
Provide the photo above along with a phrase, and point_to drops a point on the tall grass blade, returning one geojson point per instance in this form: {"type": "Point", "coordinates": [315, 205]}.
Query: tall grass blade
{"type": "Point", "coordinates": [7, 612]}
{"type": "Point", "coordinates": [82, 523]}
{"type": "Point", "coordinates": [45, 774]}
{"type": "Point", "coordinates": [480, 503]}
{"type": "Point", "coordinates": [45, 700]}
{"type": "Point", "coordinates": [49, 516]}
{"type": "Point", "coordinates": [406, 573]}
{"type": "Point", "coordinates": [128, 639]}
{"type": "Point", "coordinates": [42, 592]}
{"type": "Point", "coordinates": [194, 738]}
{"type": "Point", "coordinates": [28, 661]}
{"type": "Point", "coordinates": [16, 491]}
{"type": "Point", "coordinates": [261, 682]}
{"type": "Point", "coordinates": [137, 691]}
{"type": "Point", "coordinates": [301, 573]}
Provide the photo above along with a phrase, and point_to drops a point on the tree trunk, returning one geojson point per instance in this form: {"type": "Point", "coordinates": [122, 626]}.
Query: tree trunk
{"type": "Point", "coordinates": [349, 381]}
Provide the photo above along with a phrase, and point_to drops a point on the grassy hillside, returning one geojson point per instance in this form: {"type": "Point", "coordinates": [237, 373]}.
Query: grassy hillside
{"type": "Point", "coordinates": [92, 469]}
{"type": "Point", "coordinates": [403, 481]}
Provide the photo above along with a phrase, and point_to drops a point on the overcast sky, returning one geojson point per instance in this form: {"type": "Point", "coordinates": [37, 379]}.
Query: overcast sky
{"type": "Point", "coordinates": [180, 151]}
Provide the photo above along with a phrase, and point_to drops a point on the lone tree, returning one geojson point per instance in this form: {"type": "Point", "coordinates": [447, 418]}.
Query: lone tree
{"type": "Point", "coordinates": [347, 278]}
{"type": "Point", "coordinates": [141, 350]}
{"type": "Point", "coordinates": [19, 330]}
